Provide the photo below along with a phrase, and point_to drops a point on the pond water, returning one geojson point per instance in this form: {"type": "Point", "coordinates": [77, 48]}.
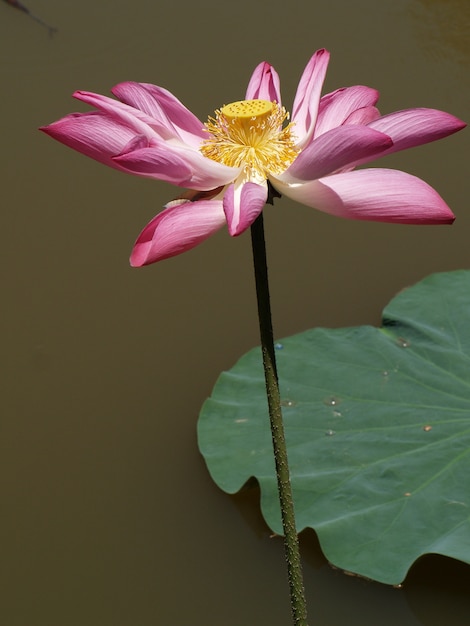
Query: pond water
{"type": "Point", "coordinates": [109, 517]}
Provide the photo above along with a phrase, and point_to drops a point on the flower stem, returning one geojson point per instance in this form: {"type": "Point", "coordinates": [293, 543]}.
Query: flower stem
{"type": "Point", "coordinates": [291, 542]}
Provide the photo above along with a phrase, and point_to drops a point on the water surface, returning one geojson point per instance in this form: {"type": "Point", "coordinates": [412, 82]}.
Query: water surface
{"type": "Point", "coordinates": [109, 517]}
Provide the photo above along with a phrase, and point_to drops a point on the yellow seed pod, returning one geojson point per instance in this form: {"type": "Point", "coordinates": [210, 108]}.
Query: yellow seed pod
{"type": "Point", "coordinates": [246, 109]}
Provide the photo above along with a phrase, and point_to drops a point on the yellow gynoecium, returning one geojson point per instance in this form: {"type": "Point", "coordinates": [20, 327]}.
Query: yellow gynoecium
{"type": "Point", "coordinates": [249, 134]}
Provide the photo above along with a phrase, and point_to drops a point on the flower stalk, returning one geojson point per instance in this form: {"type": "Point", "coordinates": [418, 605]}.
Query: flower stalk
{"type": "Point", "coordinates": [238, 161]}
{"type": "Point", "coordinates": [291, 542]}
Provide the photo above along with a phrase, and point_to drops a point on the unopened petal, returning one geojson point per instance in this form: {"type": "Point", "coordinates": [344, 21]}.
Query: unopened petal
{"type": "Point", "coordinates": [177, 229]}
{"type": "Point", "coordinates": [336, 149]}
{"type": "Point", "coordinates": [264, 84]}
{"type": "Point", "coordinates": [243, 202]}
{"type": "Point", "coordinates": [379, 195]}
{"type": "Point", "coordinates": [307, 98]}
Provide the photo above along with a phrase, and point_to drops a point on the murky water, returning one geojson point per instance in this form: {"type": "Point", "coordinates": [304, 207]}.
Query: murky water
{"type": "Point", "coordinates": [109, 517]}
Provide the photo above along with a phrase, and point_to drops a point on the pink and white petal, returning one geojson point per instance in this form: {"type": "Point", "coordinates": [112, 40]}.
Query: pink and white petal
{"type": "Point", "coordinates": [335, 150]}
{"type": "Point", "coordinates": [176, 111]}
{"type": "Point", "coordinates": [180, 165]}
{"type": "Point", "coordinates": [336, 107]}
{"type": "Point", "coordinates": [307, 97]}
{"type": "Point", "coordinates": [264, 84]}
{"type": "Point", "coordinates": [379, 195]}
{"type": "Point", "coordinates": [243, 202]}
{"type": "Point", "coordinates": [163, 106]}
{"type": "Point", "coordinates": [206, 173]}
{"type": "Point", "coordinates": [139, 122]}
{"type": "Point", "coordinates": [156, 162]}
{"type": "Point", "coordinates": [94, 134]}
{"type": "Point", "coordinates": [177, 229]}
{"type": "Point", "coordinates": [414, 127]}
{"type": "Point", "coordinates": [135, 95]}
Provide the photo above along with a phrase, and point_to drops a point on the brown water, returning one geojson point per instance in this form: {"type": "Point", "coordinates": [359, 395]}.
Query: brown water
{"type": "Point", "coordinates": [109, 517]}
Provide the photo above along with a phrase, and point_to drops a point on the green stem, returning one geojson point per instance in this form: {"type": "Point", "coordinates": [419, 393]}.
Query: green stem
{"type": "Point", "coordinates": [291, 542]}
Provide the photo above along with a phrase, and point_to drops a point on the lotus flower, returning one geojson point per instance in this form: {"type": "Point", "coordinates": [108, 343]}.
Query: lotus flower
{"type": "Point", "coordinates": [230, 162]}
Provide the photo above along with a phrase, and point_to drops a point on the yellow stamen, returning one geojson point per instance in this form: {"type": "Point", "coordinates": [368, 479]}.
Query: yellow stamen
{"type": "Point", "coordinates": [249, 134]}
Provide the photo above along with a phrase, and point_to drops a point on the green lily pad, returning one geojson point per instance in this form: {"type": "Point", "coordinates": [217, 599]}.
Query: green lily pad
{"type": "Point", "coordinates": [378, 432]}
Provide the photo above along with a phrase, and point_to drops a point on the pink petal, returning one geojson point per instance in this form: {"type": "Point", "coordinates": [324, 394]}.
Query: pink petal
{"type": "Point", "coordinates": [177, 229]}
{"type": "Point", "coordinates": [336, 149]}
{"type": "Point", "coordinates": [94, 134]}
{"type": "Point", "coordinates": [136, 143]}
{"type": "Point", "coordinates": [305, 107]}
{"type": "Point", "coordinates": [186, 167]}
{"type": "Point", "coordinates": [363, 116]}
{"type": "Point", "coordinates": [379, 195]}
{"type": "Point", "coordinates": [156, 162]}
{"type": "Point", "coordinates": [134, 119]}
{"type": "Point", "coordinates": [335, 108]}
{"type": "Point", "coordinates": [160, 104]}
{"type": "Point", "coordinates": [243, 202]}
{"type": "Point", "coordinates": [414, 127]}
{"type": "Point", "coordinates": [264, 84]}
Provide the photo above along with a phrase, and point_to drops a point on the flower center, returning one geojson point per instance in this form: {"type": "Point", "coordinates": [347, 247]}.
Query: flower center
{"type": "Point", "coordinates": [249, 134]}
